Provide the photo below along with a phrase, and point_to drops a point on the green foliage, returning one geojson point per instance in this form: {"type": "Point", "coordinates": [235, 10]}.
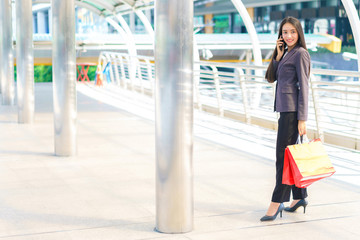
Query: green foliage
{"type": "Point", "coordinates": [92, 73]}
{"type": "Point", "coordinates": [350, 49]}
{"type": "Point", "coordinates": [43, 73]}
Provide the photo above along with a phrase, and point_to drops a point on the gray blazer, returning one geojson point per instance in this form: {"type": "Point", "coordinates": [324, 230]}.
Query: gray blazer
{"type": "Point", "coordinates": [292, 88]}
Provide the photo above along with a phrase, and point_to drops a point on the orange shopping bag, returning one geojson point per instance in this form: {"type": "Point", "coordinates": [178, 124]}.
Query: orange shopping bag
{"type": "Point", "coordinates": [306, 163]}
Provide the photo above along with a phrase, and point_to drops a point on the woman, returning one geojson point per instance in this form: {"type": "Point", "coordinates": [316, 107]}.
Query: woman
{"type": "Point", "coordinates": [290, 67]}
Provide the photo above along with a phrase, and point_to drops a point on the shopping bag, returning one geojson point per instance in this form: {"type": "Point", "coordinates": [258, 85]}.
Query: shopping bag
{"type": "Point", "coordinates": [306, 163]}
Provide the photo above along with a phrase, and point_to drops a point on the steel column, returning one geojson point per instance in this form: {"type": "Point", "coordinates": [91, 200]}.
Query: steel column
{"type": "Point", "coordinates": [64, 77]}
{"type": "Point", "coordinates": [174, 115]}
{"type": "Point", "coordinates": [25, 61]}
{"type": "Point", "coordinates": [6, 54]}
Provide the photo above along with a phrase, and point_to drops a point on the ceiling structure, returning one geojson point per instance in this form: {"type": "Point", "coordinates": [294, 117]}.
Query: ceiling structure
{"type": "Point", "coordinates": [110, 7]}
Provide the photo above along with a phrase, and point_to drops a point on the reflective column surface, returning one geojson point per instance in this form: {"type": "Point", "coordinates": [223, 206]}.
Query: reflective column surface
{"type": "Point", "coordinates": [174, 115]}
{"type": "Point", "coordinates": [6, 54]}
{"type": "Point", "coordinates": [24, 61]}
{"type": "Point", "coordinates": [64, 77]}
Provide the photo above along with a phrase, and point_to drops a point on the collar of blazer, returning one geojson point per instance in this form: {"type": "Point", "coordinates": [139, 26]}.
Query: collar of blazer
{"type": "Point", "coordinates": [288, 55]}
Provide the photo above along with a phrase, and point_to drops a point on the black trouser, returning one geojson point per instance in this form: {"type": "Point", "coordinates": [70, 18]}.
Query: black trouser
{"type": "Point", "coordinates": [287, 135]}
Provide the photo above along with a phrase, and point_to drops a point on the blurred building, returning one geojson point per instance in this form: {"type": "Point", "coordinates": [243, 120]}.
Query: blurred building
{"type": "Point", "coordinates": [220, 16]}
{"type": "Point", "coordinates": [316, 16]}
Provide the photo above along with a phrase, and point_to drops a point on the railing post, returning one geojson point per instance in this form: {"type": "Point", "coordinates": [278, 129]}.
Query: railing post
{"type": "Point", "coordinates": [138, 63]}
{"type": "Point", "coordinates": [117, 77]}
{"type": "Point", "coordinates": [102, 64]}
{"type": "Point", "coordinates": [218, 90]}
{"type": "Point", "coordinates": [111, 71]}
{"type": "Point", "coordinates": [131, 73]}
{"type": "Point", "coordinates": [150, 76]}
{"type": "Point", "coordinates": [242, 79]}
{"type": "Point", "coordinates": [123, 73]}
{"type": "Point", "coordinates": [316, 106]}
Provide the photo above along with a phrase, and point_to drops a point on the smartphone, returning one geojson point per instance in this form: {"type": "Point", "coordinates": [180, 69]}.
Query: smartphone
{"type": "Point", "coordinates": [284, 44]}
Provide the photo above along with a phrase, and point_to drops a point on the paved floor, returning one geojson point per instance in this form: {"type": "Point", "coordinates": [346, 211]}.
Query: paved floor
{"type": "Point", "coordinates": [107, 191]}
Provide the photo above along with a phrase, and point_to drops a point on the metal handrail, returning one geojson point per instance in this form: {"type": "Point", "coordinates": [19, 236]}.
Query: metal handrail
{"type": "Point", "coordinates": [241, 92]}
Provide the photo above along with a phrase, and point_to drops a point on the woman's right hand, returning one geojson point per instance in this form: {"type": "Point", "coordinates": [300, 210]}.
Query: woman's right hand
{"type": "Point", "coordinates": [280, 48]}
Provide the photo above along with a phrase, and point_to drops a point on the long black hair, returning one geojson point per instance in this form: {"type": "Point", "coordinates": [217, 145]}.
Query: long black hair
{"type": "Point", "coordinates": [270, 73]}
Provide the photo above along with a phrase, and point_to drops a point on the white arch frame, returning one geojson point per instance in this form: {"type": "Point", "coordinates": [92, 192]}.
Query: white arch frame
{"type": "Point", "coordinates": [354, 23]}
{"type": "Point", "coordinates": [142, 18]}
{"type": "Point", "coordinates": [146, 23]}
{"type": "Point", "coordinates": [240, 7]}
{"type": "Point", "coordinates": [127, 31]}
{"type": "Point", "coordinates": [129, 43]}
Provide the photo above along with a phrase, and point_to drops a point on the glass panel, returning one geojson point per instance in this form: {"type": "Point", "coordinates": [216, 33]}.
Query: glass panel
{"type": "Point", "coordinates": [222, 23]}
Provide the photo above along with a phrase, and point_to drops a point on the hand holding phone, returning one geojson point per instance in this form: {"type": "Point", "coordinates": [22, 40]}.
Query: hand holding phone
{"type": "Point", "coordinates": [280, 44]}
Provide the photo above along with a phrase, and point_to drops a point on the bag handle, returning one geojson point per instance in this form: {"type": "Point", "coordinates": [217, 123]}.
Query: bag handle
{"type": "Point", "coordinates": [302, 139]}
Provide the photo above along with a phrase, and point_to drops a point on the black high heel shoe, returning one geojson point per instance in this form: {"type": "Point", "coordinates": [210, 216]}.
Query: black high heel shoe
{"type": "Point", "coordinates": [301, 203]}
{"type": "Point", "coordinates": [270, 218]}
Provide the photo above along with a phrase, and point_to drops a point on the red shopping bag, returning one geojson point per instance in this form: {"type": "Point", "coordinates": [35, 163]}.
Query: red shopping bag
{"type": "Point", "coordinates": [306, 163]}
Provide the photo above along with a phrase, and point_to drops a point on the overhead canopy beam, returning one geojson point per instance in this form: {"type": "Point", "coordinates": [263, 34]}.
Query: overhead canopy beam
{"type": "Point", "coordinates": [129, 2]}
{"type": "Point", "coordinates": [89, 7]}
{"type": "Point", "coordinates": [103, 4]}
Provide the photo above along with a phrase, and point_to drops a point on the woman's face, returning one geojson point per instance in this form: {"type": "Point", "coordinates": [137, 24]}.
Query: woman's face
{"type": "Point", "coordinates": [290, 35]}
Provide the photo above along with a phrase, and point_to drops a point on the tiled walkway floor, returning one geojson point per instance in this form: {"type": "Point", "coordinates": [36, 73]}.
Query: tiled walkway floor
{"type": "Point", "coordinates": [108, 190]}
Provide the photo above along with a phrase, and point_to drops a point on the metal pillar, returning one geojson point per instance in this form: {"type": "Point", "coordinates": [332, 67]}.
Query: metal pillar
{"type": "Point", "coordinates": [64, 77]}
{"type": "Point", "coordinates": [6, 54]}
{"type": "Point", "coordinates": [355, 24]}
{"type": "Point", "coordinates": [174, 115]}
{"type": "Point", "coordinates": [25, 61]}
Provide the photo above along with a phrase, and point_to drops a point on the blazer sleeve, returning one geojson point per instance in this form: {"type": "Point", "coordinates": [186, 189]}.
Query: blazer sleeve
{"type": "Point", "coordinates": [303, 72]}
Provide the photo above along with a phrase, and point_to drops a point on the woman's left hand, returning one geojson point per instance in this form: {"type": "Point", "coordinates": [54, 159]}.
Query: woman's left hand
{"type": "Point", "coordinates": [302, 127]}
